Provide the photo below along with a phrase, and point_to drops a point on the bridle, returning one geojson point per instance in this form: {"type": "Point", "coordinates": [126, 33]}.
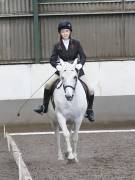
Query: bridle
{"type": "Point", "coordinates": [69, 87]}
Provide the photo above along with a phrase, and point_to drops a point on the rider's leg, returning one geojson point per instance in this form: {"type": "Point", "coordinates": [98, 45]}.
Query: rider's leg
{"type": "Point", "coordinates": [90, 98]}
{"type": "Point", "coordinates": [44, 107]}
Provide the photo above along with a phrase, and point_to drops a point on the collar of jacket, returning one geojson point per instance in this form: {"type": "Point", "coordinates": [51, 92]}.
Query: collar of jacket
{"type": "Point", "coordinates": [62, 45]}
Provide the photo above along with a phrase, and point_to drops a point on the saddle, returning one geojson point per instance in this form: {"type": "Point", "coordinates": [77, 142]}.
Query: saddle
{"type": "Point", "coordinates": [85, 89]}
{"type": "Point", "coordinates": [54, 85]}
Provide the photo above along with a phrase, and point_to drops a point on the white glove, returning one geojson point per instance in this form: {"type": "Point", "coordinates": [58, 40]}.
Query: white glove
{"type": "Point", "coordinates": [59, 67]}
{"type": "Point", "coordinates": [78, 66]}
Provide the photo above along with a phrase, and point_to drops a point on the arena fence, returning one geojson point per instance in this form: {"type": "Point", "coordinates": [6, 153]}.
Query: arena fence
{"type": "Point", "coordinates": [24, 174]}
{"type": "Point", "coordinates": [28, 28]}
{"type": "Point", "coordinates": [13, 148]}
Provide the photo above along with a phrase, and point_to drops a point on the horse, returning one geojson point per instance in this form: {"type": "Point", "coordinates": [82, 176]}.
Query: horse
{"type": "Point", "coordinates": [70, 102]}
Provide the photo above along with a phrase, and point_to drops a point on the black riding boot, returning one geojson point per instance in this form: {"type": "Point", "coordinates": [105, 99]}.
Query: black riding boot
{"type": "Point", "coordinates": [90, 113]}
{"type": "Point", "coordinates": [44, 107]}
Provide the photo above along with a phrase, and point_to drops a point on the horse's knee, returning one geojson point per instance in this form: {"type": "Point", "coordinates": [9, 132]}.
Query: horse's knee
{"type": "Point", "coordinates": [75, 138]}
{"type": "Point", "coordinates": [66, 135]}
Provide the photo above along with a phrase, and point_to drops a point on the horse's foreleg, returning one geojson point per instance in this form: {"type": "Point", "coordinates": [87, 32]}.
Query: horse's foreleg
{"type": "Point", "coordinates": [75, 138]}
{"type": "Point", "coordinates": [62, 123]}
{"type": "Point", "coordinates": [60, 155]}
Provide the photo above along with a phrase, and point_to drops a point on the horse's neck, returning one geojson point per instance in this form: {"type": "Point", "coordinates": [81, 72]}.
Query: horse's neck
{"type": "Point", "coordinates": [78, 84]}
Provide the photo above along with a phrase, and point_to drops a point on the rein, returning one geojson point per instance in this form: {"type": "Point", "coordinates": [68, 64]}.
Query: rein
{"type": "Point", "coordinates": [65, 87]}
{"type": "Point", "coordinates": [69, 86]}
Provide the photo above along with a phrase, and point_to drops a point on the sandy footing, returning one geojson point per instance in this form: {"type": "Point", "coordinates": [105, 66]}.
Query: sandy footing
{"type": "Point", "coordinates": [107, 156]}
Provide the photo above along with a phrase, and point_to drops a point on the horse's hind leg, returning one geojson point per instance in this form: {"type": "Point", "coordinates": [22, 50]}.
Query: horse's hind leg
{"type": "Point", "coordinates": [62, 123]}
{"type": "Point", "coordinates": [57, 132]}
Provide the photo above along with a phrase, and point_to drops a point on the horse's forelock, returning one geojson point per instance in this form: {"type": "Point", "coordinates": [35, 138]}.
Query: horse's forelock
{"type": "Point", "coordinates": [68, 70]}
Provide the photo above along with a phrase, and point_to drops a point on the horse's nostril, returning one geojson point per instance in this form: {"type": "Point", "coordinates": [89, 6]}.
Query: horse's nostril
{"type": "Point", "coordinates": [69, 98]}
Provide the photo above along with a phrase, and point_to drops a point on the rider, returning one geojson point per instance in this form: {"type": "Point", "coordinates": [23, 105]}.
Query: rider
{"type": "Point", "coordinates": [67, 49]}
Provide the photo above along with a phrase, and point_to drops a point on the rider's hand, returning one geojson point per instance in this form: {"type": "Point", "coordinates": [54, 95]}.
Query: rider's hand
{"type": "Point", "coordinates": [58, 67]}
{"type": "Point", "coordinates": [78, 66]}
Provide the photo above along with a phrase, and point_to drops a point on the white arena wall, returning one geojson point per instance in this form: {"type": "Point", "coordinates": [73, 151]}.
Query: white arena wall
{"type": "Point", "coordinates": [113, 82]}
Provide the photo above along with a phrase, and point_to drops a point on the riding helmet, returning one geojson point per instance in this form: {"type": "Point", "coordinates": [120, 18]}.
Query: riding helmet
{"type": "Point", "coordinates": [64, 25]}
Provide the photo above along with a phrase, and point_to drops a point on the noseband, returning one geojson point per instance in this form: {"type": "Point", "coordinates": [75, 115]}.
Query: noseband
{"type": "Point", "coordinates": [69, 87]}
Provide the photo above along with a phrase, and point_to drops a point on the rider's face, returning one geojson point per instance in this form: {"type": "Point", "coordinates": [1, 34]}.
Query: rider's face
{"type": "Point", "coordinates": [65, 33]}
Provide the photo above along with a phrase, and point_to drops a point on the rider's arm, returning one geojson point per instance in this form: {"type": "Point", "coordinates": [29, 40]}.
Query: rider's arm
{"type": "Point", "coordinates": [81, 54]}
{"type": "Point", "coordinates": [54, 57]}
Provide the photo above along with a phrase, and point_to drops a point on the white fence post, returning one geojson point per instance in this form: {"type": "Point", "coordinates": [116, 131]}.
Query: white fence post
{"type": "Point", "coordinates": [23, 171]}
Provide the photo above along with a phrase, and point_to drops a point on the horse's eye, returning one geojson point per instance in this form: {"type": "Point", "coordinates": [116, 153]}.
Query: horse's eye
{"type": "Point", "coordinates": [75, 77]}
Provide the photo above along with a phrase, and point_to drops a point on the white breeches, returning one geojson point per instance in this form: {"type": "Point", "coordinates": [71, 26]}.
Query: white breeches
{"type": "Point", "coordinates": [51, 81]}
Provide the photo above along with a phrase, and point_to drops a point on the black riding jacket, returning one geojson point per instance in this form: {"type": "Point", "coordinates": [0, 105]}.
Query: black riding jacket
{"type": "Point", "coordinates": [74, 51]}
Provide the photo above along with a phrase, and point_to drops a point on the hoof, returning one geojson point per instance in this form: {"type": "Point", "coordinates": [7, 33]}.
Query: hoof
{"type": "Point", "coordinates": [60, 158]}
{"type": "Point", "coordinates": [71, 161]}
{"type": "Point", "coordinates": [70, 157]}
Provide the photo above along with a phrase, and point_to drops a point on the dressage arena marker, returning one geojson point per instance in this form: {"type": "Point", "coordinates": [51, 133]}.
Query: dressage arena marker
{"type": "Point", "coordinates": [23, 171]}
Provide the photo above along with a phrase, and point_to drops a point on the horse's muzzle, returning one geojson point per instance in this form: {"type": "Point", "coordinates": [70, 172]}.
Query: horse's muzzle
{"type": "Point", "coordinates": [69, 98]}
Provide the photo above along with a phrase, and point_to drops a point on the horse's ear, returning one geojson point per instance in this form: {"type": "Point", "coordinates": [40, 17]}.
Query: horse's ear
{"type": "Point", "coordinates": [62, 62]}
{"type": "Point", "coordinates": [75, 62]}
